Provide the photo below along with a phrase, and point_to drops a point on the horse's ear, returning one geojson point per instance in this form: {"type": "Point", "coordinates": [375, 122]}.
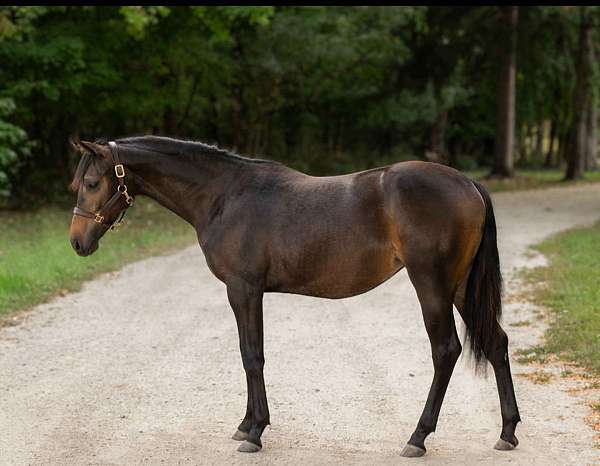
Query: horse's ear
{"type": "Point", "coordinates": [85, 147]}
{"type": "Point", "coordinates": [91, 147]}
{"type": "Point", "coordinates": [77, 146]}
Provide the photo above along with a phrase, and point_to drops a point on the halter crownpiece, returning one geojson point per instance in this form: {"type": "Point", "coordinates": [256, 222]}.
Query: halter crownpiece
{"type": "Point", "coordinates": [100, 215]}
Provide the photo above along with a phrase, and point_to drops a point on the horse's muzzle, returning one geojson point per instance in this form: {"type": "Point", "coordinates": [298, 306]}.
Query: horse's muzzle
{"type": "Point", "coordinates": [82, 249]}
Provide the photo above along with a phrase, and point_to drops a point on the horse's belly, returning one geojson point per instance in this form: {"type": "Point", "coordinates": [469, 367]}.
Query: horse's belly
{"type": "Point", "coordinates": [342, 277]}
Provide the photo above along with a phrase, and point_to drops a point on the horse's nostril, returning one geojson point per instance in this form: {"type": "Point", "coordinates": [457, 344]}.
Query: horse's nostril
{"type": "Point", "coordinates": [75, 244]}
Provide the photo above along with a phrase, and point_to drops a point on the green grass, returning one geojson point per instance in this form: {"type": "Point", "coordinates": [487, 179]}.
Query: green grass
{"type": "Point", "coordinates": [538, 354]}
{"type": "Point", "coordinates": [529, 179]}
{"type": "Point", "coordinates": [572, 292]}
{"type": "Point", "coordinates": [37, 262]}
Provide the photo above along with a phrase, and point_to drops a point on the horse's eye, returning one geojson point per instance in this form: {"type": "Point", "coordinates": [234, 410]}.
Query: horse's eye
{"type": "Point", "coordinates": [91, 185]}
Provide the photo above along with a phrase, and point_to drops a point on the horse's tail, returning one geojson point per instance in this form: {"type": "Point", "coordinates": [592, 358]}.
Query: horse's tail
{"type": "Point", "coordinates": [483, 294]}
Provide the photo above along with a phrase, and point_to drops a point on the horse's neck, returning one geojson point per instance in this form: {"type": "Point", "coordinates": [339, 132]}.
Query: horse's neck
{"type": "Point", "coordinates": [187, 187]}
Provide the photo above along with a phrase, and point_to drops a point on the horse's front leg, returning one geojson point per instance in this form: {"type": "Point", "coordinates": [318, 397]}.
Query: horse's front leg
{"type": "Point", "coordinates": [246, 301]}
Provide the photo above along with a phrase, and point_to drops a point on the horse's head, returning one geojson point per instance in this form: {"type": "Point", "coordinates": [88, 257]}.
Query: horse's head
{"type": "Point", "coordinates": [102, 196]}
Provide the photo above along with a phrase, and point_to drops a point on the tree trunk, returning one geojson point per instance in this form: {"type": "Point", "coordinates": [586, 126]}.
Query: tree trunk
{"type": "Point", "coordinates": [240, 127]}
{"type": "Point", "coordinates": [563, 139]}
{"type": "Point", "coordinates": [539, 140]}
{"type": "Point", "coordinates": [169, 122]}
{"type": "Point", "coordinates": [213, 120]}
{"type": "Point", "coordinates": [505, 105]}
{"type": "Point", "coordinates": [550, 153]}
{"type": "Point", "coordinates": [591, 150]}
{"type": "Point", "coordinates": [188, 106]}
{"type": "Point", "coordinates": [523, 147]}
{"type": "Point", "coordinates": [576, 154]}
{"type": "Point", "coordinates": [438, 152]}
{"type": "Point", "coordinates": [455, 153]}
{"type": "Point", "coordinates": [239, 133]}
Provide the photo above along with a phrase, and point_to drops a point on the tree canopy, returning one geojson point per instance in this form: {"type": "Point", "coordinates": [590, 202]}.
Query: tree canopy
{"type": "Point", "coordinates": [325, 89]}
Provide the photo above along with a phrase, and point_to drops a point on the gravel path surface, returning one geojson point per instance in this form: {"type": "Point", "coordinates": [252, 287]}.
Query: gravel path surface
{"type": "Point", "coordinates": [142, 367]}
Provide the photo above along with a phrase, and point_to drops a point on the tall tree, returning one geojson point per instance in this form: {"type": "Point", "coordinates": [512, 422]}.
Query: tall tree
{"type": "Point", "coordinates": [552, 137]}
{"type": "Point", "coordinates": [591, 152]}
{"type": "Point", "coordinates": [505, 106]}
{"type": "Point", "coordinates": [577, 151]}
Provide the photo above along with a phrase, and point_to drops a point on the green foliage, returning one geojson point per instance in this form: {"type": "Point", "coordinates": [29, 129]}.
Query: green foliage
{"type": "Point", "coordinates": [12, 139]}
{"type": "Point", "coordinates": [326, 89]}
{"type": "Point", "coordinates": [138, 18]}
{"type": "Point", "coordinates": [221, 21]}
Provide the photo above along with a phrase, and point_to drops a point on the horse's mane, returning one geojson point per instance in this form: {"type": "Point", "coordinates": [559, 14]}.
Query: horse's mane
{"type": "Point", "coordinates": [166, 146]}
{"type": "Point", "coordinates": [173, 146]}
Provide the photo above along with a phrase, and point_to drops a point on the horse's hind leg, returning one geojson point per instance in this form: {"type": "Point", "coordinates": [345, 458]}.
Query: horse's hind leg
{"type": "Point", "coordinates": [435, 295]}
{"type": "Point", "coordinates": [508, 403]}
{"type": "Point", "coordinates": [499, 359]}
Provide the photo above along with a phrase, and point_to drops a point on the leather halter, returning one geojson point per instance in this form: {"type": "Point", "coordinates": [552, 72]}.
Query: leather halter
{"type": "Point", "coordinates": [100, 215]}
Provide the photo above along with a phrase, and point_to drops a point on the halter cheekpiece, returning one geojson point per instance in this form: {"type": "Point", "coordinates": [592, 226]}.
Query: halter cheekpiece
{"type": "Point", "coordinates": [100, 215]}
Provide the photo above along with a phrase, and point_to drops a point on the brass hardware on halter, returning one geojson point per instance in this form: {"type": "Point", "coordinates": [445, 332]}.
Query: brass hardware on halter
{"type": "Point", "coordinates": [115, 226]}
{"type": "Point", "coordinates": [129, 199]}
{"type": "Point", "coordinates": [121, 191]}
{"type": "Point", "coordinates": [120, 171]}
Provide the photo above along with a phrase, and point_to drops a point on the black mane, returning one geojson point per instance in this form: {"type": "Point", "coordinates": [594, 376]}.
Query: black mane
{"type": "Point", "coordinates": [176, 147]}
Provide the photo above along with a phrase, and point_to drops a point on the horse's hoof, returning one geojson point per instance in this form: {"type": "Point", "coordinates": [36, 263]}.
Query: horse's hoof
{"type": "Point", "coordinates": [505, 446]}
{"type": "Point", "coordinates": [410, 451]}
{"type": "Point", "coordinates": [248, 447]}
{"type": "Point", "coordinates": [240, 435]}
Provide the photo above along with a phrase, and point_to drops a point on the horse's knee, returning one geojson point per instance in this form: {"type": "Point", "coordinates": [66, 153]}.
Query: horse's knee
{"type": "Point", "coordinates": [253, 363]}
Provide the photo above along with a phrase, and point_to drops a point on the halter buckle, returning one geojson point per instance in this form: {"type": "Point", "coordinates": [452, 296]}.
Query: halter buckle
{"type": "Point", "coordinates": [98, 218]}
{"type": "Point", "coordinates": [120, 171]}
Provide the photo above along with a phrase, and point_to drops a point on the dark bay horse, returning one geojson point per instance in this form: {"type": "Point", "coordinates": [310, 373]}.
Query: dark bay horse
{"type": "Point", "coordinates": [264, 227]}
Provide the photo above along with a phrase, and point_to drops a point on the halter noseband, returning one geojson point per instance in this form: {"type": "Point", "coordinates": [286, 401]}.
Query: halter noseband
{"type": "Point", "coordinates": [100, 215]}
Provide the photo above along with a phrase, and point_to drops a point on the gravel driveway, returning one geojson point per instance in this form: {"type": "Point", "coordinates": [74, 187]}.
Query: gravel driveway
{"type": "Point", "coordinates": [142, 367]}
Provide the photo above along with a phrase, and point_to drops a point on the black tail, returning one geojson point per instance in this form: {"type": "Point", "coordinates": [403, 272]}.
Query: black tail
{"type": "Point", "coordinates": [483, 295]}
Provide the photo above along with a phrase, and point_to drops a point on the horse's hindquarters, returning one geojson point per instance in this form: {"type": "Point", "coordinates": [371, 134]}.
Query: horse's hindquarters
{"type": "Point", "coordinates": [438, 214]}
